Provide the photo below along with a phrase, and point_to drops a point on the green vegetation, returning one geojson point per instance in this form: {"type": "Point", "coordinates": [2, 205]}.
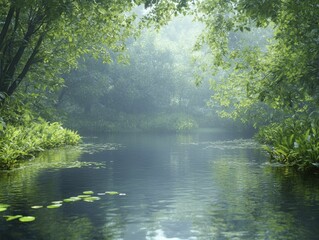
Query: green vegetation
{"type": "Point", "coordinates": [57, 204]}
{"type": "Point", "coordinates": [154, 92]}
{"type": "Point", "coordinates": [24, 142]}
{"type": "Point", "coordinates": [257, 62]}
{"type": "Point", "coordinates": [40, 41]}
{"type": "Point", "coordinates": [263, 60]}
{"type": "Point", "coordinates": [293, 143]}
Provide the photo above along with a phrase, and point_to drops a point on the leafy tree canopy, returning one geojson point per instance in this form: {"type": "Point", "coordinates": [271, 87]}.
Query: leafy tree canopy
{"type": "Point", "coordinates": [40, 39]}
{"type": "Point", "coordinates": [284, 75]}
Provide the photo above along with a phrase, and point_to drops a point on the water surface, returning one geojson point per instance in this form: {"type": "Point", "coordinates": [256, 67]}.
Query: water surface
{"type": "Point", "coordinates": [175, 187]}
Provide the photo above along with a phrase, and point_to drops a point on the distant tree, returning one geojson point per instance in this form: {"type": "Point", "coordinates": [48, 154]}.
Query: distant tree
{"type": "Point", "coordinates": [85, 85]}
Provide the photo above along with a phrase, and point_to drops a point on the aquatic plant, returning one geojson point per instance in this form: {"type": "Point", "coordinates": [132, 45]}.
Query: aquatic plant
{"type": "Point", "coordinates": [23, 142]}
{"type": "Point", "coordinates": [27, 219]}
{"type": "Point", "coordinates": [294, 143]}
{"type": "Point", "coordinates": [85, 197]}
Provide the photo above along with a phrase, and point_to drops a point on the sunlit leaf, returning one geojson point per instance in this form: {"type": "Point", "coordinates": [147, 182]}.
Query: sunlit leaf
{"type": "Point", "coordinates": [36, 207]}
{"type": "Point", "coordinates": [102, 10]}
{"type": "Point", "coordinates": [27, 219]}
{"type": "Point", "coordinates": [54, 206]}
{"type": "Point", "coordinates": [12, 217]}
{"type": "Point", "coordinates": [83, 196]}
{"type": "Point", "coordinates": [3, 209]}
{"type": "Point", "coordinates": [91, 198]}
{"type": "Point", "coordinates": [57, 202]}
{"type": "Point", "coordinates": [72, 199]}
{"type": "Point", "coordinates": [112, 193]}
{"type": "Point", "coordinates": [88, 192]}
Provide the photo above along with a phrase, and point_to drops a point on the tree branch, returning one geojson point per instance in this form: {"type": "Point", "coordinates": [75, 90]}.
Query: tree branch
{"type": "Point", "coordinates": [27, 66]}
{"type": "Point", "coordinates": [6, 25]}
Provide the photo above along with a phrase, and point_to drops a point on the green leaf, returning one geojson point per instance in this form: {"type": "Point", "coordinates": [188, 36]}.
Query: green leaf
{"type": "Point", "coordinates": [91, 199]}
{"type": "Point", "coordinates": [2, 209]}
{"type": "Point", "coordinates": [36, 207]}
{"type": "Point", "coordinates": [83, 196]}
{"type": "Point", "coordinates": [102, 10]}
{"type": "Point", "coordinates": [27, 219]}
{"type": "Point", "coordinates": [112, 193]}
{"type": "Point", "coordinates": [88, 192]}
{"type": "Point", "coordinates": [72, 199]}
{"type": "Point", "coordinates": [54, 206]}
{"type": "Point", "coordinates": [12, 217]}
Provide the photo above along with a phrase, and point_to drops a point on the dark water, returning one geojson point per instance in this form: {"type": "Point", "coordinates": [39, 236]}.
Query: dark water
{"type": "Point", "coordinates": [176, 187]}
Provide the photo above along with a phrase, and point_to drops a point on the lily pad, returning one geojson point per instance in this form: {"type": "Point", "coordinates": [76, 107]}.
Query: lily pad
{"type": "Point", "coordinates": [89, 199]}
{"type": "Point", "coordinates": [12, 217]}
{"type": "Point", "coordinates": [101, 194]}
{"type": "Point", "coordinates": [27, 219]}
{"type": "Point", "coordinates": [54, 206]}
{"type": "Point", "coordinates": [72, 199]}
{"type": "Point", "coordinates": [57, 202]}
{"type": "Point", "coordinates": [83, 196]}
{"type": "Point", "coordinates": [36, 207]}
{"type": "Point", "coordinates": [88, 192]}
{"type": "Point", "coordinates": [2, 209]}
{"type": "Point", "coordinates": [112, 193]}
{"type": "Point", "coordinates": [122, 194]}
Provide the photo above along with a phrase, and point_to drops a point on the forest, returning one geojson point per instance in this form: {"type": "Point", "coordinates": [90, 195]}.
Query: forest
{"type": "Point", "coordinates": [70, 67]}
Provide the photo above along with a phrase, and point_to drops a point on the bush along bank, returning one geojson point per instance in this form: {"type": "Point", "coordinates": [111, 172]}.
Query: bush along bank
{"type": "Point", "coordinates": [23, 142]}
{"type": "Point", "coordinates": [293, 142]}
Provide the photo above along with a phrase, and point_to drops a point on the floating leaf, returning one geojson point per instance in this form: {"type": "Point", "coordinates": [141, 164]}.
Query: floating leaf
{"type": "Point", "coordinates": [12, 217]}
{"type": "Point", "coordinates": [112, 193]}
{"type": "Point", "coordinates": [36, 207]}
{"type": "Point", "coordinates": [54, 206]}
{"type": "Point", "coordinates": [2, 205]}
{"type": "Point", "coordinates": [2, 209]}
{"type": "Point", "coordinates": [122, 194]}
{"type": "Point", "coordinates": [100, 194]}
{"type": "Point", "coordinates": [83, 196]}
{"type": "Point", "coordinates": [88, 192]}
{"type": "Point", "coordinates": [88, 199]}
{"type": "Point", "coordinates": [72, 199]}
{"type": "Point", "coordinates": [57, 202]}
{"type": "Point", "coordinates": [27, 219]}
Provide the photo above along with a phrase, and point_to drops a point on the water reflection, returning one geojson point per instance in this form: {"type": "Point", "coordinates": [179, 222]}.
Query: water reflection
{"type": "Point", "coordinates": [178, 187]}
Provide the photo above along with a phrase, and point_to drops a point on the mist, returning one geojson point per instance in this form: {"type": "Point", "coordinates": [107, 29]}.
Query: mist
{"type": "Point", "coordinates": [159, 120]}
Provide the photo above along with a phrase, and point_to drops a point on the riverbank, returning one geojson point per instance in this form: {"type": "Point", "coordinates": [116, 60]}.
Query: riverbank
{"type": "Point", "coordinates": [24, 142]}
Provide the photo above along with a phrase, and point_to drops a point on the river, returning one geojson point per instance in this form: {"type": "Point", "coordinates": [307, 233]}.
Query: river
{"type": "Point", "coordinates": [205, 185]}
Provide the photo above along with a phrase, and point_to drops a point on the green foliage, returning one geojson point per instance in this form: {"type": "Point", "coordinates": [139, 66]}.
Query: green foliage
{"type": "Point", "coordinates": [263, 60]}
{"type": "Point", "coordinates": [142, 94]}
{"type": "Point", "coordinates": [247, 69]}
{"type": "Point", "coordinates": [292, 142]}
{"type": "Point", "coordinates": [24, 142]}
{"type": "Point", "coordinates": [40, 40]}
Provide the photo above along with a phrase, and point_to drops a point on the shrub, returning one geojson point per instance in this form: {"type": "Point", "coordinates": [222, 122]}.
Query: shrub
{"type": "Point", "coordinates": [293, 143]}
{"type": "Point", "coordinates": [25, 141]}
